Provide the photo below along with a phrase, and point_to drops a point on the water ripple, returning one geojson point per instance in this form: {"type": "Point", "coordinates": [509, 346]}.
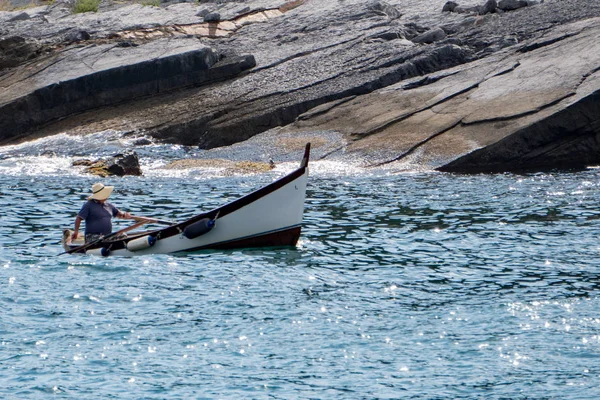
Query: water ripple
{"type": "Point", "coordinates": [408, 285]}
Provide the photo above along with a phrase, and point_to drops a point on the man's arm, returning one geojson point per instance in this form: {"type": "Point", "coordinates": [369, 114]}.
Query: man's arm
{"type": "Point", "coordinates": [119, 214]}
{"type": "Point", "coordinates": [78, 220]}
{"type": "Point", "coordinates": [124, 215]}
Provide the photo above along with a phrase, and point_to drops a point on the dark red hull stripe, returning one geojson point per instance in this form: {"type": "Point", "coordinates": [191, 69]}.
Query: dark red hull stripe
{"type": "Point", "coordinates": [287, 237]}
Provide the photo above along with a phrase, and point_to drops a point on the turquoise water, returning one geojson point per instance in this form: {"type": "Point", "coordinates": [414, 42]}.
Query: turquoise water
{"type": "Point", "coordinates": [411, 285]}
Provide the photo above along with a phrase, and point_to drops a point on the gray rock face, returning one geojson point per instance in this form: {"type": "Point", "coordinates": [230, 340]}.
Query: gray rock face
{"type": "Point", "coordinates": [355, 68]}
{"type": "Point", "coordinates": [98, 75]}
{"type": "Point", "coordinates": [534, 108]}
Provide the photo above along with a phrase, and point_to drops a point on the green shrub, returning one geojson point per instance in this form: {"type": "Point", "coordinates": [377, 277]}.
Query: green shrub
{"type": "Point", "coordinates": [82, 6]}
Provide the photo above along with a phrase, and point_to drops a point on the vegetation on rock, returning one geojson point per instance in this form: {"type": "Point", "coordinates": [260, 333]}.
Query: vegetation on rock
{"type": "Point", "coordinates": [82, 6]}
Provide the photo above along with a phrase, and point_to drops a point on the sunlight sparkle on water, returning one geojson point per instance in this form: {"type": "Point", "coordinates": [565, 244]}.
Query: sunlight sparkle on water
{"type": "Point", "coordinates": [427, 284]}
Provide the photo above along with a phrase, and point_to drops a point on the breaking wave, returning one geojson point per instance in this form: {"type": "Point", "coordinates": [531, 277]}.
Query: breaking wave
{"type": "Point", "coordinates": [54, 155]}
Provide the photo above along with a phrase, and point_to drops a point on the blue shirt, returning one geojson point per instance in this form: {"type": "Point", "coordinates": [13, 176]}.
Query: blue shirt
{"type": "Point", "coordinates": [98, 216]}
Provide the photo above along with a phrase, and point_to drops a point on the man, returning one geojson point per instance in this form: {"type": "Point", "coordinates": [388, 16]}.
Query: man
{"type": "Point", "coordinates": [98, 213]}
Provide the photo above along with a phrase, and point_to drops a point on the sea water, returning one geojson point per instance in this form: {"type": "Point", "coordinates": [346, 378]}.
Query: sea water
{"type": "Point", "coordinates": [403, 285]}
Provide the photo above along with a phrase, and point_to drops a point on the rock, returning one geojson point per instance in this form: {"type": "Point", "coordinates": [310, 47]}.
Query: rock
{"type": "Point", "coordinates": [142, 142]}
{"type": "Point", "coordinates": [20, 17]}
{"type": "Point", "coordinates": [312, 55]}
{"type": "Point", "coordinates": [203, 13]}
{"type": "Point", "coordinates": [509, 5]}
{"type": "Point", "coordinates": [212, 17]}
{"type": "Point", "coordinates": [77, 36]}
{"type": "Point", "coordinates": [231, 66]}
{"type": "Point", "coordinates": [68, 84]}
{"type": "Point", "coordinates": [124, 164]}
{"type": "Point", "coordinates": [391, 35]}
{"type": "Point", "coordinates": [84, 162]}
{"type": "Point", "coordinates": [450, 6]}
{"type": "Point", "coordinates": [126, 43]}
{"type": "Point", "coordinates": [14, 50]}
{"type": "Point", "coordinates": [528, 109]}
{"type": "Point", "coordinates": [243, 11]}
{"type": "Point", "coordinates": [381, 7]}
{"type": "Point", "coordinates": [227, 167]}
{"type": "Point", "coordinates": [489, 7]}
{"type": "Point", "coordinates": [117, 165]}
{"type": "Point", "coordinates": [430, 36]}
{"type": "Point", "coordinates": [63, 4]}
{"type": "Point", "coordinates": [251, 167]}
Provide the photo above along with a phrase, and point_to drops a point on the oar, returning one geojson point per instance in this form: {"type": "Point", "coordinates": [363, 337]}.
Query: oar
{"type": "Point", "coordinates": [154, 220]}
{"type": "Point", "coordinates": [90, 244]}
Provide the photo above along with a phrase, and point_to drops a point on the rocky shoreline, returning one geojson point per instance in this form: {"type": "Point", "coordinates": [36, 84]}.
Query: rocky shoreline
{"type": "Point", "coordinates": [482, 86]}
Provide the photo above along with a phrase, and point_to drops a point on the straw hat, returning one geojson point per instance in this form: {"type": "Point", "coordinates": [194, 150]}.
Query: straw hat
{"type": "Point", "coordinates": [100, 192]}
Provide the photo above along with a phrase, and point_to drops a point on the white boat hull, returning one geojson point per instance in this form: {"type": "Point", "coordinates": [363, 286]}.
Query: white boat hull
{"type": "Point", "coordinates": [273, 215]}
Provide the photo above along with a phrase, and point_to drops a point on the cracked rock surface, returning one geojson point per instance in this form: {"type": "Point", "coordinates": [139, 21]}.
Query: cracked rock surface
{"type": "Point", "coordinates": [397, 83]}
{"type": "Point", "coordinates": [517, 109]}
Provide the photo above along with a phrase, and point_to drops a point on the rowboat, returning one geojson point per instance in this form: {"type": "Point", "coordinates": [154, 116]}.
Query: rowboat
{"type": "Point", "coordinates": [269, 216]}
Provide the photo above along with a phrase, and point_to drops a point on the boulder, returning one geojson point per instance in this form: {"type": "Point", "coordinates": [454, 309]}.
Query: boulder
{"type": "Point", "coordinates": [381, 7]}
{"type": "Point", "coordinates": [116, 165]}
{"type": "Point", "coordinates": [488, 7]}
{"type": "Point", "coordinates": [430, 36]}
{"type": "Point", "coordinates": [509, 5]}
{"type": "Point", "coordinates": [450, 6]}
{"type": "Point", "coordinates": [212, 17]}
{"type": "Point", "coordinates": [77, 35]}
{"type": "Point", "coordinates": [203, 13]}
{"type": "Point", "coordinates": [124, 164]}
